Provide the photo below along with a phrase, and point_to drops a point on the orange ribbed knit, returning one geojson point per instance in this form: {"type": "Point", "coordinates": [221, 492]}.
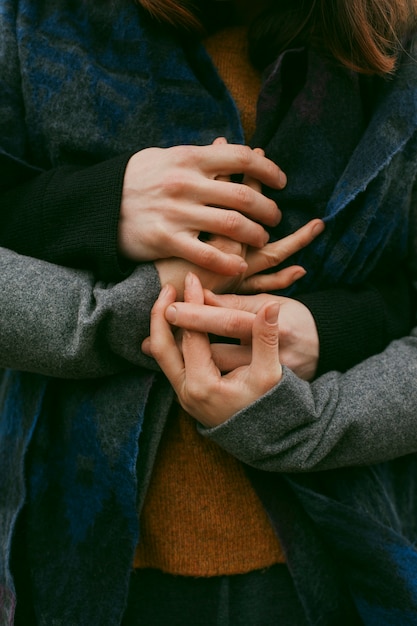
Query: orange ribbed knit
{"type": "Point", "coordinates": [229, 52]}
{"type": "Point", "coordinates": [201, 516]}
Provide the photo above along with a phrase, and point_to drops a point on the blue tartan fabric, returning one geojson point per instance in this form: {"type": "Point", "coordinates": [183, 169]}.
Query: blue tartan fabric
{"type": "Point", "coordinates": [81, 85]}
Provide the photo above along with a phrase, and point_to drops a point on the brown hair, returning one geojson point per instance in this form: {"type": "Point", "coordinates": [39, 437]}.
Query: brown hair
{"type": "Point", "coordinates": [173, 12]}
{"type": "Point", "coordinates": [363, 35]}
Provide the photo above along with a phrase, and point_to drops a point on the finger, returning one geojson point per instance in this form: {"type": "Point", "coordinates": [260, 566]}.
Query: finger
{"type": "Point", "coordinates": [251, 303]}
{"type": "Point", "coordinates": [225, 244]}
{"type": "Point", "coordinates": [211, 258]}
{"type": "Point", "coordinates": [229, 357]}
{"type": "Point", "coordinates": [265, 368]}
{"type": "Point", "coordinates": [195, 345]}
{"type": "Point", "coordinates": [163, 346]}
{"type": "Point", "coordinates": [228, 223]}
{"type": "Point", "coordinates": [275, 253]}
{"type": "Point", "coordinates": [221, 141]}
{"type": "Point", "coordinates": [193, 290]}
{"type": "Point", "coordinates": [242, 198]}
{"type": "Point", "coordinates": [252, 182]}
{"type": "Point", "coordinates": [209, 319]}
{"type": "Point", "coordinates": [229, 159]}
{"type": "Point", "coordinates": [260, 283]}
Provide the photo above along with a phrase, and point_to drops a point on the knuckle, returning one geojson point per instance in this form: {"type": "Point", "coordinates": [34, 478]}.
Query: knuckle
{"type": "Point", "coordinates": [270, 339]}
{"type": "Point", "coordinates": [207, 255]}
{"type": "Point", "coordinates": [232, 324]}
{"type": "Point", "coordinates": [232, 221]}
{"type": "Point", "coordinates": [236, 301]}
{"type": "Point", "coordinates": [273, 259]}
{"type": "Point", "coordinates": [244, 195]}
{"type": "Point", "coordinates": [244, 156]}
{"type": "Point", "coordinates": [175, 183]}
{"type": "Point", "coordinates": [183, 155]}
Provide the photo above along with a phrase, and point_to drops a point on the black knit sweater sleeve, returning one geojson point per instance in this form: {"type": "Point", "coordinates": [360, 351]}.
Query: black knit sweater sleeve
{"type": "Point", "coordinates": [355, 323]}
{"type": "Point", "coordinates": [68, 216]}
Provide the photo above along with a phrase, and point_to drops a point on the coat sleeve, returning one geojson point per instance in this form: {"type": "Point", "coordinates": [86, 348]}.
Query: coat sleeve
{"type": "Point", "coordinates": [364, 416]}
{"type": "Point", "coordinates": [62, 322]}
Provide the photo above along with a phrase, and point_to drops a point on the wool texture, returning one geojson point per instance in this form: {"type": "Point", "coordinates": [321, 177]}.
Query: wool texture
{"type": "Point", "coordinates": [201, 516]}
{"type": "Point", "coordinates": [80, 87]}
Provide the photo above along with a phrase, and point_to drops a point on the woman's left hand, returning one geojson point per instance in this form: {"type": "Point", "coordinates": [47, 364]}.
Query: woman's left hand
{"type": "Point", "coordinates": [201, 389]}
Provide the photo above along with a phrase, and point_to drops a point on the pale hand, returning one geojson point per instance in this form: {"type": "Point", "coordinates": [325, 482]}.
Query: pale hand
{"type": "Point", "coordinates": [202, 390]}
{"type": "Point", "coordinates": [171, 195]}
{"type": "Point", "coordinates": [233, 316]}
{"type": "Point", "coordinates": [173, 271]}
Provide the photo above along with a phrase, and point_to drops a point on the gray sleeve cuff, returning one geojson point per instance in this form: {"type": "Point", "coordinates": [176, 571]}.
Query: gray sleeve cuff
{"type": "Point", "coordinates": [62, 322]}
{"type": "Point", "coordinates": [364, 416]}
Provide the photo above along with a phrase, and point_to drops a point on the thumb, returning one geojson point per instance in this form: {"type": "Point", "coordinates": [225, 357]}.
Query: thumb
{"type": "Point", "coordinates": [265, 365]}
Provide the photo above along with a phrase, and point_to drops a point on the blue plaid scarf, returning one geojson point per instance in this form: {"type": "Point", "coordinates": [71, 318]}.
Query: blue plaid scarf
{"type": "Point", "coordinates": [69, 449]}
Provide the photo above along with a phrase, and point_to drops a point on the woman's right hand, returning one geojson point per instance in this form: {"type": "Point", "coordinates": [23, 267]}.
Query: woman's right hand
{"type": "Point", "coordinates": [171, 195]}
{"type": "Point", "coordinates": [233, 315]}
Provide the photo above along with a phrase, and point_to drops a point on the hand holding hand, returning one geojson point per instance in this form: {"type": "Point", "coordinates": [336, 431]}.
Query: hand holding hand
{"type": "Point", "coordinates": [233, 316]}
{"type": "Point", "coordinates": [251, 280]}
{"type": "Point", "coordinates": [201, 389]}
{"type": "Point", "coordinates": [171, 195]}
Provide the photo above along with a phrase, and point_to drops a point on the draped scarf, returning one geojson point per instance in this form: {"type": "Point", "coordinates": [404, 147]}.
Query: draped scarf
{"type": "Point", "coordinates": [75, 450]}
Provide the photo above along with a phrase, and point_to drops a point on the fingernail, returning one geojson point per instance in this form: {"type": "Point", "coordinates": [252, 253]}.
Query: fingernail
{"type": "Point", "coordinates": [318, 228]}
{"type": "Point", "coordinates": [242, 267]}
{"type": "Point", "coordinates": [278, 217]}
{"type": "Point", "coordinates": [282, 179]}
{"type": "Point", "coordinates": [171, 314]}
{"type": "Point", "coordinates": [300, 274]}
{"type": "Point", "coordinates": [271, 313]}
